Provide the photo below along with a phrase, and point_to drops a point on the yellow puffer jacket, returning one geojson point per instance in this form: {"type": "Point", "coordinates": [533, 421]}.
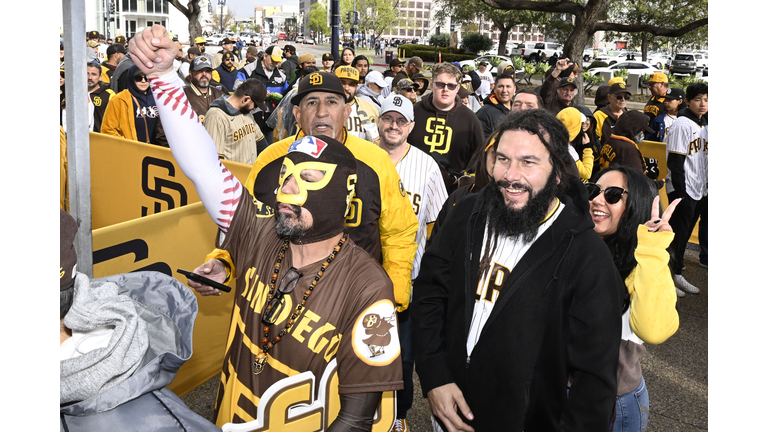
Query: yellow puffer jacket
{"type": "Point", "coordinates": [118, 117]}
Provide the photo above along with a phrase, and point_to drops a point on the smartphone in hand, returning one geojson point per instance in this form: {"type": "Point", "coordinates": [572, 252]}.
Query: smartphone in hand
{"type": "Point", "coordinates": [204, 280]}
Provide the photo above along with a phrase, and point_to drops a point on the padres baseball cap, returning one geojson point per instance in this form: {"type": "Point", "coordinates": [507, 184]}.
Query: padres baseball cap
{"type": "Point", "coordinates": [200, 63]}
{"type": "Point", "coordinates": [91, 44]}
{"type": "Point", "coordinates": [194, 50]}
{"type": "Point", "coordinates": [93, 34]}
{"type": "Point", "coordinates": [464, 92]}
{"type": "Point", "coordinates": [199, 40]}
{"type": "Point", "coordinates": [397, 103]}
{"type": "Point", "coordinates": [420, 76]}
{"type": "Point", "coordinates": [619, 88]}
{"type": "Point", "coordinates": [227, 41]}
{"type": "Point", "coordinates": [120, 39]}
{"type": "Point", "coordinates": [615, 80]}
{"type": "Point", "coordinates": [658, 77]}
{"type": "Point", "coordinates": [327, 57]}
{"type": "Point", "coordinates": [377, 78]}
{"type": "Point", "coordinates": [417, 62]}
{"type": "Point", "coordinates": [253, 50]}
{"type": "Point", "coordinates": [566, 81]}
{"type": "Point", "coordinates": [228, 55]}
{"type": "Point", "coordinates": [395, 62]}
{"type": "Point", "coordinates": [306, 57]}
{"type": "Point", "coordinates": [483, 63]}
{"type": "Point", "coordinates": [675, 93]}
{"type": "Point", "coordinates": [505, 67]}
{"type": "Point", "coordinates": [406, 83]}
{"type": "Point", "coordinates": [319, 82]}
{"type": "Point", "coordinates": [275, 52]}
{"type": "Point", "coordinates": [348, 72]}
{"type": "Point", "coordinates": [115, 49]}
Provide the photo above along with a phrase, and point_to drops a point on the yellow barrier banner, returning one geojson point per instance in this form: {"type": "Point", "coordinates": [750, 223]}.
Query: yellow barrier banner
{"type": "Point", "coordinates": [130, 180]}
{"type": "Point", "coordinates": [164, 242]}
{"type": "Point", "coordinates": [658, 150]}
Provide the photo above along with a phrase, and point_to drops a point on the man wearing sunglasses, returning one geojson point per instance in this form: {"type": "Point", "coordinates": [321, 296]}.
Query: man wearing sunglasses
{"type": "Point", "coordinates": [312, 309]}
{"type": "Point", "coordinates": [363, 113]}
{"type": "Point", "coordinates": [425, 188]}
{"type": "Point", "coordinates": [607, 116]}
{"type": "Point", "coordinates": [443, 125]}
{"type": "Point", "coordinates": [517, 306]}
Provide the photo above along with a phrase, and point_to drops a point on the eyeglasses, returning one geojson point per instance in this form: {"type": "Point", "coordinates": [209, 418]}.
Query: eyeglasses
{"type": "Point", "coordinates": [412, 89]}
{"type": "Point", "coordinates": [401, 122]}
{"type": "Point", "coordinates": [622, 97]}
{"type": "Point", "coordinates": [140, 78]}
{"type": "Point", "coordinates": [442, 85]}
{"type": "Point", "coordinates": [611, 194]}
{"type": "Point", "coordinates": [287, 284]}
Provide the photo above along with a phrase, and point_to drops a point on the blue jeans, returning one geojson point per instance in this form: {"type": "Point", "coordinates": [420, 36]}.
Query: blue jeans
{"type": "Point", "coordinates": [632, 410]}
{"type": "Point", "coordinates": [405, 396]}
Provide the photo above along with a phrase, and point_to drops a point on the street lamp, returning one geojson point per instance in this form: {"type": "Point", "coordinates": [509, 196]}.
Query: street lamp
{"type": "Point", "coordinates": [221, 15]}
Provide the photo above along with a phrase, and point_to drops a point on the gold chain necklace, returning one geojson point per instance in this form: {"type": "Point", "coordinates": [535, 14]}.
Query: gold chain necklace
{"type": "Point", "coordinates": [266, 345]}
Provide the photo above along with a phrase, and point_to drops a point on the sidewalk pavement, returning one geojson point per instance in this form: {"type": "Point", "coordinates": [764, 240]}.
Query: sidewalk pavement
{"type": "Point", "coordinates": [676, 372]}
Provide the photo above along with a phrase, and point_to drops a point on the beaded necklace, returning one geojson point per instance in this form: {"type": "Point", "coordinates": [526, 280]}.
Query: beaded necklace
{"type": "Point", "coordinates": [266, 345]}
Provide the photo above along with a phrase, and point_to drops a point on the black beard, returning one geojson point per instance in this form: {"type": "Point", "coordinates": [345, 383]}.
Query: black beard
{"type": "Point", "coordinates": [294, 232]}
{"type": "Point", "coordinates": [244, 110]}
{"type": "Point", "coordinates": [521, 223]}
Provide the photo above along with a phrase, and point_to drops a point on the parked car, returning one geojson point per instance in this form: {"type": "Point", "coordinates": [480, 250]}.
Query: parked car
{"type": "Point", "coordinates": [521, 49]}
{"type": "Point", "coordinates": [687, 63]}
{"type": "Point", "coordinates": [214, 39]}
{"type": "Point", "coordinates": [660, 60]}
{"type": "Point", "coordinates": [299, 39]}
{"type": "Point", "coordinates": [309, 41]}
{"type": "Point", "coordinates": [634, 67]}
{"type": "Point", "coordinates": [245, 38]}
{"type": "Point", "coordinates": [489, 59]}
{"type": "Point", "coordinates": [610, 60]}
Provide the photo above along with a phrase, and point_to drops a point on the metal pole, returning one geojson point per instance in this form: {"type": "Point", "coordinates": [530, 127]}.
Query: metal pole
{"type": "Point", "coordinates": [109, 6]}
{"type": "Point", "coordinates": [78, 145]}
{"type": "Point", "coordinates": [335, 16]}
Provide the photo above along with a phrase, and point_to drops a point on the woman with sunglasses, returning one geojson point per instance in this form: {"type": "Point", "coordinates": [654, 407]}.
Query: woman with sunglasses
{"type": "Point", "coordinates": [624, 205]}
{"type": "Point", "coordinates": [132, 114]}
{"type": "Point", "coordinates": [607, 116]}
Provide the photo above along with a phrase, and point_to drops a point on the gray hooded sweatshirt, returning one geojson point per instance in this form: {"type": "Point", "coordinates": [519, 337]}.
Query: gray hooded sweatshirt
{"type": "Point", "coordinates": [121, 387]}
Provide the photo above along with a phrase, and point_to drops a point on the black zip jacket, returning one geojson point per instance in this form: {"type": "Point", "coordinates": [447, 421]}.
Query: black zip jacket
{"type": "Point", "coordinates": [557, 316]}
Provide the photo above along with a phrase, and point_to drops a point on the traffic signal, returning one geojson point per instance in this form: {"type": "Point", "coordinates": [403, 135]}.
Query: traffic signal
{"type": "Point", "coordinates": [453, 26]}
{"type": "Point", "coordinates": [349, 17]}
{"type": "Point", "coordinates": [112, 8]}
{"type": "Point", "coordinates": [357, 18]}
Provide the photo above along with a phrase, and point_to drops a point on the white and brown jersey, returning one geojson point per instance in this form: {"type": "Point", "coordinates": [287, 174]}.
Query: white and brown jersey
{"type": "Point", "coordinates": [347, 333]}
{"type": "Point", "coordinates": [425, 188]}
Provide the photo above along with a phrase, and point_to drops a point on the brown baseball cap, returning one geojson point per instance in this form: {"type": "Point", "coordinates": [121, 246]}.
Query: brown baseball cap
{"type": "Point", "coordinates": [619, 88]}
{"type": "Point", "coordinates": [417, 62]}
{"type": "Point", "coordinates": [395, 62]}
{"type": "Point", "coordinates": [318, 82]}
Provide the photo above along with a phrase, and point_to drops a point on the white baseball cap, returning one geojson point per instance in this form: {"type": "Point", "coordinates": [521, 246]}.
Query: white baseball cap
{"type": "Point", "coordinates": [377, 78]}
{"type": "Point", "coordinates": [401, 104]}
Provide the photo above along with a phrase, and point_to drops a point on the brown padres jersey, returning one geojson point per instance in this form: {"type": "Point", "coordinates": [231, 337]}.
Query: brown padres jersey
{"type": "Point", "coordinates": [344, 341]}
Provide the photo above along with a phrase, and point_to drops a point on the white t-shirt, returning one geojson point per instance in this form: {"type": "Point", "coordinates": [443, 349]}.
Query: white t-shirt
{"type": "Point", "coordinates": [485, 87]}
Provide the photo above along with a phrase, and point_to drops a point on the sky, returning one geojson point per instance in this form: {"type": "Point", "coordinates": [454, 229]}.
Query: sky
{"type": "Point", "coordinates": [244, 8]}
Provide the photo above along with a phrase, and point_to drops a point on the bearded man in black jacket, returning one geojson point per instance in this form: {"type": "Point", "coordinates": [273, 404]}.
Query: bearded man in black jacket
{"type": "Point", "coordinates": [517, 309]}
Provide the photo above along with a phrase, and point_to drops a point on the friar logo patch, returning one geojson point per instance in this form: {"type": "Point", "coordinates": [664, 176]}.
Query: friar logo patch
{"type": "Point", "coordinates": [375, 338]}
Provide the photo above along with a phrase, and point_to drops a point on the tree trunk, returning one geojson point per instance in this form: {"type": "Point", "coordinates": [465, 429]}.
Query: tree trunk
{"type": "Point", "coordinates": [644, 46]}
{"type": "Point", "coordinates": [574, 49]}
{"type": "Point", "coordinates": [503, 37]}
{"type": "Point", "coordinates": [192, 13]}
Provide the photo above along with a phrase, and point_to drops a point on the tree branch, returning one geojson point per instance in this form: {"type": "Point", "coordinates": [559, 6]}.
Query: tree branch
{"type": "Point", "coordinates": [560, 6]}
{"type": "Point", "coordinates": [180, 7]}
{"type": "Point", "coordinates": [654, 30]}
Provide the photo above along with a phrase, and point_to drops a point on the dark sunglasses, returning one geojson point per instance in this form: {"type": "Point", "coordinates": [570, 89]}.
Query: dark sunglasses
{"type": "Point", "coordinates": [140, 78]}
{"type": "Point", "coordinates": [622, 97]}
{"type": "Point", "coordinates": [287, 284]}
{"type": "Point", "coordinates": [442, 85]}
{"type": "Point", "coordinates": [611, 194]}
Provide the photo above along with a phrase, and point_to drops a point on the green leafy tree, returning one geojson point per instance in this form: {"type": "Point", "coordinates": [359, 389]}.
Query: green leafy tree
{"type": "Point", "coordinates": [318, 20]}
{"type": "Point", "coordinates": [229, 19]}
{"type": "Point", "coordinates": [476, 42]}
{"type": "Point", "coordinates": [663, 13]}
{"type": "Point", "coordinates": [376, 16]}
{"type": "Point", "coordinates": [464, 12]}
{"type": "Point", "coordinates": [588, 17]}
{"type": "Point", "coordinates": [442, 40]}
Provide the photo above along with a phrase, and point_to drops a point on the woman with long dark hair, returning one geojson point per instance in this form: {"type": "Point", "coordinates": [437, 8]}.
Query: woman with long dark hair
{"type": "Point", "coordinates": [347, 55]}
{"type": "Point", "coordinates": [624, 205]}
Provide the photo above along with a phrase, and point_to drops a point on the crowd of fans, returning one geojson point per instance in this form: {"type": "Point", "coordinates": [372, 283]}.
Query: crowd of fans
{"type": "Point", "coordinates": [528, 212]}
